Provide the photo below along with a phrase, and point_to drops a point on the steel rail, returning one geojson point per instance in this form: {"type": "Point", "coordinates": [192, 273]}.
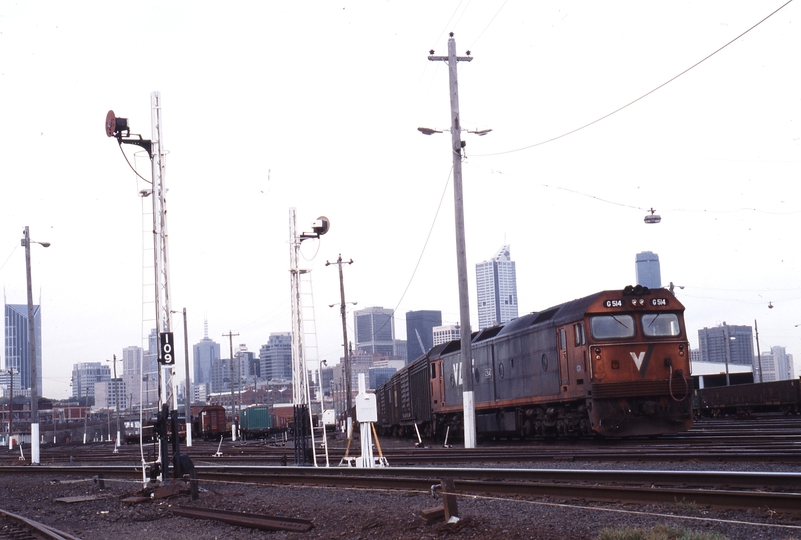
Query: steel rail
{"type": "Point", "coordinates": [700, 487]}
{"type": "Point", "coordinates": [698, 479]}
{"type": "Point", "coordinates": [243, 519]}
{"type": "Point", "coordinates": [33, 529]}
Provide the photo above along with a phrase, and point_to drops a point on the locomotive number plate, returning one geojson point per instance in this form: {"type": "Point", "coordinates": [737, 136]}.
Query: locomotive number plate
{"type": "Point", "coordinates": [613, 303]}
{"type": "Point", "coordinates": [659, 302]}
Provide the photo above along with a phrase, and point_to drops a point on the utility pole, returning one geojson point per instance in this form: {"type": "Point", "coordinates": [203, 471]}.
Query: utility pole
{"type": "Point", "coordinates": [342, 305]}
{"type": "Point", "coordinates": [234, 423]}
{"type": "Point", "coordinates": [116, 386]}
{"type": "Point", "coordinates": [461, 252]}
{"type": "Point", "coordinates": [759, 354]}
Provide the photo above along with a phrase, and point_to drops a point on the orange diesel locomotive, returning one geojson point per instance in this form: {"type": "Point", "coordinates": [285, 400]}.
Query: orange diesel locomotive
{"type": "Point", "coordinates": [615, 363]}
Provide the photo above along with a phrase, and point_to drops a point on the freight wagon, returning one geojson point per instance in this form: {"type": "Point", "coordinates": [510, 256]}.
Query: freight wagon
{"type": "Point", "coordinates": [258, 422]}
{"type": "Point", "coordinates": [211, 422]}
{"type": "Point", "coordinates": [743, 400]}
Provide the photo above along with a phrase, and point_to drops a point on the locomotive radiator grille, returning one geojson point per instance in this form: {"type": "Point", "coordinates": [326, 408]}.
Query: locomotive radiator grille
{"type": "Point", "coordinates": [638, 388]}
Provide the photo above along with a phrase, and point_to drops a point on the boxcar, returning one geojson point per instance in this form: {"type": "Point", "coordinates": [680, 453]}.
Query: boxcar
{"type": "Point", "coordinates": [211, 422]}
{"type": "Point", "coordinates": [256, 422]}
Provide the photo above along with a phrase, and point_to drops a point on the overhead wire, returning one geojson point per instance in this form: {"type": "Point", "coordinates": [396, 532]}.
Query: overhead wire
{"type": "Point", "coordinates": [624, 205]}
{"type": "Point", "coordinates": [472, 45]}
{"type": "Point", "coordinates": [604, 117]}
{"type": "Point", "coordinates": [422, 252]}
{"type": "Point", "coordinates": [9, 256]}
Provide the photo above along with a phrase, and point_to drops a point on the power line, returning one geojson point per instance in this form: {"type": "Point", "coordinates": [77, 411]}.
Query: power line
{"type": "Point", "coordinates": [642, 96]}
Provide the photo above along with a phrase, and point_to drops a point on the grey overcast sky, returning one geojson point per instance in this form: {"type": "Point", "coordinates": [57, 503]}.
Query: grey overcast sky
{"type": "Point", "coordinates": [315, 105]}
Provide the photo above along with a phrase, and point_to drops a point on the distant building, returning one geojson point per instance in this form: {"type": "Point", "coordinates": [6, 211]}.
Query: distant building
{"type": "Point", "coordinates": [378, 376]}
{"type": "Point", "coordinates": [275, 358]}
{"type": "Point", "coordinates": [220, 376]}
{"type": "Point", "coordinates": [84, 377]}
{"type": "Point", "coordinates": [17, 345]}
{"type": "Point", "coordinates": [724, 343]}
{"type": "Point", "coordinates": [777, 365]}
{"type": "Point", "coordinates": [446, 333]}
{"type": "Point", "coordinates": [108, 392]}
{"type": "Point", "coordinates": [375, 330]}
{"type": "Point", "coordinates": [204, 354]}
{"type": "Point", "coordinates": [420, 332]}
{"type": "Point", "coordinates": [496, 289]}
{"type": "Point", "coordinates": [647, 270]}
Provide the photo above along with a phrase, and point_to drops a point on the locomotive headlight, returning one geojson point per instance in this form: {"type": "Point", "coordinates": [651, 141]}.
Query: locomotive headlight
{"type": "Point", "coordinates": [681, 350]}
{"type": "Point", "coordinates": [634, 302]}
{"type": "Point", "coordinates": [641, 302]}
{"type": "Point", "coordinates": [597, 353]}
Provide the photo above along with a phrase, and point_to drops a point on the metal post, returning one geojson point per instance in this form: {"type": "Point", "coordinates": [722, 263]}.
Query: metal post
{"type": "Point", "coordinates": [11, 408]}
{"type": "Point", "coordinates": [188, 398]}
{"type": "Point", "coordinates": [759, 354]}
{"type": "Point", "coordinates": [230, 336]}
{"type": "Point", "coordinates": [727, 350]}
{"type": "Point", "coordinates": [117, 399]}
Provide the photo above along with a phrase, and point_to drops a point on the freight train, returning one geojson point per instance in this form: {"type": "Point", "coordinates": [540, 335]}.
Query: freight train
{"type": "Point", "coordinates": [615, 363]}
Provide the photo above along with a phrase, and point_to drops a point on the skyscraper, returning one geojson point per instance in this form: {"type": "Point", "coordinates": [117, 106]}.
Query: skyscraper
{"type": "Point", "coordinates": [420, 332]}
{"type": "Point", "coordinates": [496, 289]}
{"type": "Point", "coordinates": [646, 267]}
{"type": "Point", "coordinates": [777, 365]}
{"type": "Point", "coordinates": [17, 347]}
{"type": "Point", "coordinates": [275, 358]}
{"type": "Point", "coordinates": [724, 343]}
{"type": "Point", "coordinates": [204, 353]}
{"type": "Point", "coordinates": [375, 330]}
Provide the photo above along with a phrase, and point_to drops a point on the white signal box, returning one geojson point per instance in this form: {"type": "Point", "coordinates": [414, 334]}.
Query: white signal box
{"type": "Point", "coordinates": [366, 408]}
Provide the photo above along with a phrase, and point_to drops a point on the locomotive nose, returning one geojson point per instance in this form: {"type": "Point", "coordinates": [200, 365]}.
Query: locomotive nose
{"type": "Point", "coordinates": [649, 408]}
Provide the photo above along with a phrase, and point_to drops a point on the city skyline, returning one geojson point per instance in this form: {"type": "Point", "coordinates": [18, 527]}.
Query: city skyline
{"type": "Point", "coordinates": [635, 107]}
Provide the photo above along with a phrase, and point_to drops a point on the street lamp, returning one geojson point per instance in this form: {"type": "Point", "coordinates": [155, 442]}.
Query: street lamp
{"type": "Point", "coordinates": [26, 242]}
{"type": "Point", "coordinates": [461, 251]}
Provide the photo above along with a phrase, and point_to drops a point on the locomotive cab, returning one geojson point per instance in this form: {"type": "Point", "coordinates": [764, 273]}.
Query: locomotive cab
{"type": "Point", "coordinates": [640, 362]}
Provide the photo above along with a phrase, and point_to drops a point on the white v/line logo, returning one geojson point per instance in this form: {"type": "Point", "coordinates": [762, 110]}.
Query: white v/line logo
{"type": "Point", "coordinates": [638, 358]}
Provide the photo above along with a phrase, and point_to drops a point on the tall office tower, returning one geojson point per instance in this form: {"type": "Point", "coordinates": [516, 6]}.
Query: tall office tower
{"type": "Point", "coordinates": [646, 267]}
{"type": "Point", "coordinates": [275, 358]}
{"type": "Point", "coordinates": [375, 330]}
{"type": "Point", "coordinates": [134, 383]}
{"type": "Point", "coordinates": [420, 332]}
{"type": "Point", "coordinates": [496, 289]}
{"type": "Point", "coordinates": [727, 342]}
{"type": "Point", "coordinates": [204, 353]}
{"type": "Point", "coordinates": [18, 350]}
{"type": "Point", "coordinates": [132, 360]}
{"type": "Point", "coordinates": [777, 365]}
{"type": "Point", "coordinates": [85, 375]}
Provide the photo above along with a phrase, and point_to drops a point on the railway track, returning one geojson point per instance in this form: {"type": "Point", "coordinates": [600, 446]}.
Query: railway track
{"type": "Point", "coordinates": [764, 440]}
{"type": "Point", "coordinates": [777, 491]}
{"type": "Point", "coordinates": [15, 527]}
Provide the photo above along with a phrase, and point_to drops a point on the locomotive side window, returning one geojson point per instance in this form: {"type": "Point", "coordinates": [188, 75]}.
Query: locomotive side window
{"type": "Point", "coordinates": [433, 371]}
{"type": "Point", "coordinates": [660, 324]}
{"type": "Point", "coordinates": [578, 331]}
{"type": "Point", "coordinates": [612, 326]}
